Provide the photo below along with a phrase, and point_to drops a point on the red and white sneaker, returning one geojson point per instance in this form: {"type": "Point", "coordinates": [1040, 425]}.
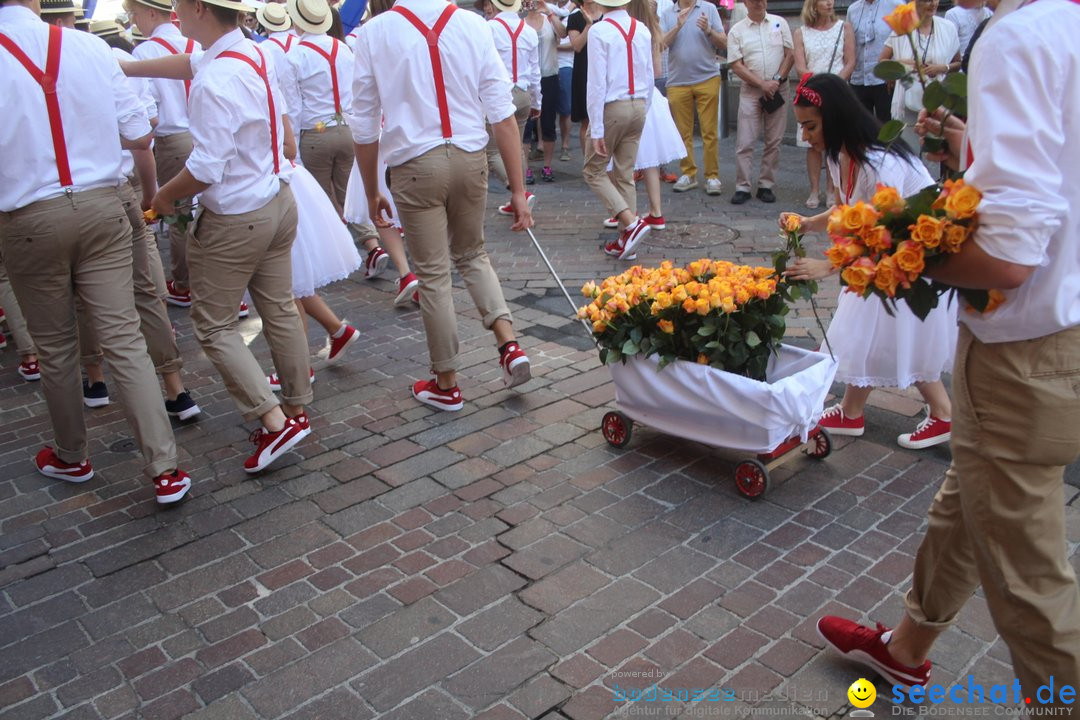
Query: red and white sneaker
{"type": "Point", "coordinates": [179, 298]}
{"type": "Point", "coordinates": [244, 311]}
{"type": "Point", "coordinates": [870, 648]}
{"type": "Point", "coordinates": [631, 236]}
{"type": "Point", "coordinates": [837, 423]}
{"type": "Point", "coordinates": [3, 315]}
{"type": "Point", "coordinates": [515, 365]}
{"type": "Point", "coordinates": [49, 465]}
{"type": "Point", "coordinates": [269, 446]}
{"type": "Point", "coordinates": [275, 381]}
{"type": "Point", "coordinates": [303, 421]}
{"type": "Point", "coordinates": [615, 249]}
{"type": "Point", "coordinates": [29, 370]}
{"type": "Point", "coordinates": [172, 487]}
{"type": "Point", "coordinates": [338, 344]}
{"type": "Point", "coordinates": [508, 209]}
{"type": "Point", "coordinates": [656, 222]}
{"type": "Point", "coordinates": [931, 431]}
{"type": "Point", "coordinates": [407, 288]}
{"type": "Point", "coordinates": [611, 223]}
{"type": "Point", "coordinates": [3, 341]}
{"type": "Point", "coordinates": [376, 261]}
{"type": "Point", "coordinates": [429, 393]}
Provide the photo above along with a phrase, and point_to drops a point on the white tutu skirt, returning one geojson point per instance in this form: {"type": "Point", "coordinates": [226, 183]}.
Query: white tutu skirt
{"type": "Point", "coordinates": [660, 139]}
{"type": "Point", "coordinates": [323, 251]}
{"type": "Point", "coordinates": [874, 349]}
{"type": "Point", "coordinates": [356, 206]}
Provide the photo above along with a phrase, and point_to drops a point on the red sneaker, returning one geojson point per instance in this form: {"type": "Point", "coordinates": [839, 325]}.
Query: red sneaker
{"type": "Point", "coordinates": [406, 287]}
{"type": "Point", "coordinates": [172, 487]}
{"type": "Point", "coordinates": [49, 465]}
{"type": "Point", "coordinates": [668, 177]}
{"type": "Point", "coordinates": [615, 248]}
{"type": "Point", "coordinates": [244, 311]}
{"type": "Point", "coordinates": [29, 370]}
{"type": "Point", "coordinates": [375, 263]}
{"type": "Point", "coordinates": [338, 344]}
{"type": "Point", "coordinates": [302, 421]}
{"type": "Point", "coordinates": [515, 365]}
{"type": "Point", "coordinates": [836, 422]}
{"type": "Point", "coordinates": [639, 175]}
{"type": "Point", "coordinates": [177, 297]}
{"type": "Point", "coordinates": [269, 446]}
{"type": "Point", "coordinates": [429, 393]}
{"type": "Point", "coordinates": [3, 315]}
{"type": "Point", "coordinates": [633, 235]}
{"type": "Point", "coordinates": [3, 341]}
{"type": "Point", "coordinates": [611, 223]}
{"type": "Point", "coordinates": [508, 210]}
{"type": "Point", "coordinates": [931, 431]}
{"type": "Point", "coordinates": [656, 222]}
{"type": "Point", "coordinates": [867, 647]}
{"type": "Point", "coordinates": [275, 381]}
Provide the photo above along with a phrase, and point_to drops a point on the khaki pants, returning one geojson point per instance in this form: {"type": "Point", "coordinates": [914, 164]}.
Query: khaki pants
{"type": "Point", "coordinates": [522, 108]}
{"type": "Point", "coordinates": [705, 96]}
{"type": "Point", "coordinates": [751, 121]}
{"type": "Point", "coordinates": [441, 196]}
{"type": "Point", "coordinates": [170, 154]}
{"type": "Point", "coordinates": [80, 246]}
{"type": "Point", "coordinates": [228, 254]}
{"type": "Point", "coordinates": [623, 121]}
{"type": "Point", "coordinates": [24, 344]}
{"type": "Point", "coordinates": [329, 156]}
{"type": "Point", "coordinates": [998, 518]}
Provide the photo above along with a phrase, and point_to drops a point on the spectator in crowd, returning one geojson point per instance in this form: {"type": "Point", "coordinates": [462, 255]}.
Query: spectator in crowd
{"type": "Point", "coordinates": [566, 78]}
{"type": "Point", "coordinates": [967, 16]}
{"type": "Point", "coordinates": [549, 29]}
{"type": "Point", "coordinates": [577, 28]}
{"type": "Point", "coordinates": [867, 19]}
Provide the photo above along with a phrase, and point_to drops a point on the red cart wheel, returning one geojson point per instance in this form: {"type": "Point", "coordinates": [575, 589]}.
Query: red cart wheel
{"type": "Point", "coordinates": [616, 428]}
{"type": "Point", "coordinates": [751, 478]}
{"type": "Point", "coordinates": [822, 445]}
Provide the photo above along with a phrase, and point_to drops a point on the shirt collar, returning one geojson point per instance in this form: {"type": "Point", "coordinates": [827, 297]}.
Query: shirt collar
{"type": "Point", "coordinates": [226, 42]}
{"type": "Point", "coordinates": [508, 16]}
{"type": "Point", "coordinates": [615, 13]}
{"type": "Point", "coordinates": [17, 15]}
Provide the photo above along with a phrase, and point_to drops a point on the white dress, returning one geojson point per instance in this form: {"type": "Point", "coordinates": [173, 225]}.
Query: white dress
{"type": "Point", "coordinates": [323, 251]}
{"type": "Point", "coordinates": [872, 348]}
{"type": "Point", "coordinates": [820, 58]}
{"type": "Point", "coordinates": [660, 139]}
{"type": "Point", "coordinates": [356, 205]}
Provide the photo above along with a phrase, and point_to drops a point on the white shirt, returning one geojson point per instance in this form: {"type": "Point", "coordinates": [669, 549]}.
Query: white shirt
{"type": "Point", "coordinates": [966, 20]}
{"type": "Point", "coordinates": [548, 42]}
{"type": "Point", "coordinates": [286, 77]}
{"type": "Point", "coordinates": [141, 88]}
{"type": "Point", "coordinates": [96, 107]}
{"type": "Point", "coordinates": [609, 76]}
{"type": "Point", "coordinates": [393, 79]}
{"type": "Point", "coordinates": [528, 52]}
{"type": "Point", "coordinates": [283, 40]}
{"type": "Point", "coordinates": [867, 18]}
{"type": "Point", "coordinates": [350, 39]}
{"type": "Point", "coordinates": [1022, 125]}
{"type": "Point", "coordinates": [169, 94]}
{"type": "Point", "coordinates": [230, 130]}
{"type": "Point", "coordinates": [938, 47]}
{"type": "Point", "coordinates": [760, 45]}
{"type": "Point", "coordinates": [311, 80]}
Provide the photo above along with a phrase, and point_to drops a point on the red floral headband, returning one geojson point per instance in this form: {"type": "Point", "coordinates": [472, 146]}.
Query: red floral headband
{"type": "Point", "coordinates": [811, 95]}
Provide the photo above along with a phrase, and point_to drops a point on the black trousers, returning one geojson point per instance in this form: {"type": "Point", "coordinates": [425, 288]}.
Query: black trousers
{"type": "Point", "coordinates": [876, 99]}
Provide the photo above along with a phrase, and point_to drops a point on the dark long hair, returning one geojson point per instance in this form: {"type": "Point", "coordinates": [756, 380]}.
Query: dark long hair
{"type": "Point", "coordinates": [845, 123]}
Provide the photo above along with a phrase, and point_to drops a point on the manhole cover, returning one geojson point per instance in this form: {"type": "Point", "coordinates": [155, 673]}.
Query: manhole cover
{"type": "Point", "coordinates": [123, 446]}
{"type": "Point", "coordinates": [687, 236]}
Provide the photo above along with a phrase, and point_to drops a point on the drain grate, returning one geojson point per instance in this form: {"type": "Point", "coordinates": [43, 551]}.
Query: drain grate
{"type": "Point", "coordinates": [124, 446]}
{"type": "Point", "coordinates": [696, 236]}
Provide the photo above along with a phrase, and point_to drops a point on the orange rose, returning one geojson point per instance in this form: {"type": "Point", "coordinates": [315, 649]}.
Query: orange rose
{"type": "Point", "coordinates": [793, 223]}
{"type": "Point", "coordinates": [599, 327]}
{"type": "Point", "coordinates": [996, 299]}
{"type": "Point", "coordinates": [904, 19]}
{"type": "Point", "coordinates": [703, 306]}
{"type": "Point", "coordinates": [666, 326]}
{"type": "Point", "coordinates": [910, 258]}
{"type": "Point", "coordinates": [858, 275]}
{"type": "Point", "coordinates": [927, 231]}
{"type": "Point", "coordinates": [962, 201]}
{"type": "Point", "coordinates": [887, 200]}
{"type": "Point", "coordinates": [843, 252]}
{"type": "Point", "coordinates": [836, 222]}
{"type": "Point", "coordinates": [852, 218]}
{"type": "Point", "coordinates": [887, 276]}
{"type": "Point", "coordinates": [689, 306]}
{"type": "Point", "coordinates": [150, 215]}
{"type": "Point", "coordinates": [955, 236]}
{"type": "Point", "coordinates": [877, 238]}
{"type": "Point", "coordinates": [702, 359]}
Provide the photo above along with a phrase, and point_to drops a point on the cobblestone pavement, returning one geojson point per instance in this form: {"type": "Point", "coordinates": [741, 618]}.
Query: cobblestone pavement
{"type": "Point", "coordinates": [501, 562]}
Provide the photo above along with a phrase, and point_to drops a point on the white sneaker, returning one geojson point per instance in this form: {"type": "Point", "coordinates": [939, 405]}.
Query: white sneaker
{"type": "Point", "coordinates": [713, 186]}
{"type": "Point", "coordinates": [684, 183]}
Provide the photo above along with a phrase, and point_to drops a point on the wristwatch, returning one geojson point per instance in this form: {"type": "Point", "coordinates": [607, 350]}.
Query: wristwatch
{"type": "Point", "coordinates": [777, 77]}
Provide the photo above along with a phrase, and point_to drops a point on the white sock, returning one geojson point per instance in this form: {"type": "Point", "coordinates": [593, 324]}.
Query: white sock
{"type": "Point", "coordinates": [886, 637]}
{"type": "Point", "coordinates": [341, 331]}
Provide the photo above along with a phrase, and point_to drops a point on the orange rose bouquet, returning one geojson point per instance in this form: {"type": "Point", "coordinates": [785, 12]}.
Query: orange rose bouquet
{"type": "Point", "coordinates": [883, 248]}
{"type": "Point", "coordinates": [712, 312]}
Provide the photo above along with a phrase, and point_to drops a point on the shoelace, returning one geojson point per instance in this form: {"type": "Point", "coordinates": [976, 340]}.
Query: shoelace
{"type": "Point", "coordinates": [256, 436]}
{"type": "Point", "coordinates": [834, 410]}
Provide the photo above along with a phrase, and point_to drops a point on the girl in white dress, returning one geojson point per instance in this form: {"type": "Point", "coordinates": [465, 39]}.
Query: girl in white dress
{"type": "Point", "coordinates": [873, 349]}
{"type": "Point", "coordinates": [824, 44]}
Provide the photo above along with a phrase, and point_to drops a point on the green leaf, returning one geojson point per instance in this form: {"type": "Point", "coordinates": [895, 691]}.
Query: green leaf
{"type": "Point", "coordinates": [956, 84]}
{"type": "Point", "coordinates": [978, 299]}
{"type": "Point", "coordinates": [635, 335]}
{"type": "Point", "coordinates": [706, 330]}
{"type": "Point", "coordinates": [890, 70]}
{"type": "Point", "coordinates": [603, 356]}
{"type": "Point", "coordinates": [752, 339]}
{"type": "Point", "coordinates": [934, 96]}
{"type": "Point", "coordinates": [890, 131]}
{"type": "Point", "coordinates": [665, 360]}
{"type": "Point", "coordinates": [934, 144]}
{"type": "Point", "coordinates": [630, 348]}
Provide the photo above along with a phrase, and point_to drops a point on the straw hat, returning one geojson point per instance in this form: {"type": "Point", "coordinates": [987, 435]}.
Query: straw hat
{"type": "Point", "coordinates": [57, 7]}
{"type": "Point", "coordinates": [512, 6]}
{"type": "Point", "coordinates": [311, 16]}
{"type": "Point", "coordinates": [273, 16]}
{"type": "Point", "coordinates": [162, 5]}
{"type": "Point", "coordinates": [104, 28]}
{"type": "Point", "coordinates": [612, 3]}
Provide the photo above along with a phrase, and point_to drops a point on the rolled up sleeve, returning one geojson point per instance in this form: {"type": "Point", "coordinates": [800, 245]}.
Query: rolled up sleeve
{"type": "Point", "coordinates": [130, 109]}
{"type": "Point", "coordinates": [495, 84]}
{"type": "Point", "coordinates": [367, 106]}
{"type": "Point", "coordinates": [212, 133]}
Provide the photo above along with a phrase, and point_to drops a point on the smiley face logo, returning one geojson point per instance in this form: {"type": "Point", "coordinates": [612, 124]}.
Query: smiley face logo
{"type": "Point", "coordinates": [862, 693]}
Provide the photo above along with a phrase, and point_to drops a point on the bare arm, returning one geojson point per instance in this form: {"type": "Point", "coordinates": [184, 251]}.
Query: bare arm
{"type": "Point", "coordinates": [146, 169]}
{"type": "Point", "coordinates": [508, 139]}
{"type": "Point", "coordinates": [786, 63]}
{"type": "Point", "coordinates": [801, 66]}
{"type": "Point", "coordinates": [184, 185]}
{"type": "Point", "coordinates": [367, 161]}
{"type": "Point", "coordinates": [748, 76]}
{"type": "Point", "coordinates": [288, 143]}
{"type": "Point", "coordinates": [169, 67]}
{"type": "Point", "coordinates": [972, 267]}
{"type": "Point", "coordinates": [142, 143]}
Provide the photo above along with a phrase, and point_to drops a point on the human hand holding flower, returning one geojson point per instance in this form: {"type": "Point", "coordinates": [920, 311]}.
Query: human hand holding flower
{"type": "Point", "coordinates": [808, 269]}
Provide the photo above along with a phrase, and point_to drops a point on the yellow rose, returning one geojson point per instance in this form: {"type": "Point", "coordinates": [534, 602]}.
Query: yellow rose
{"type": "Point", "coordinates": [927, 231]}
{"type": "Point", "coordinates": [887, 200]}
{"type": "Point", "coordinates": [150, 215]}
{"type": "Point", "coordinates": [702, 359]}
{"type": "Point", "coordinates": [689, 306]}
{"type": "Point", "coordinates": [962, 202]}
{"type": "Point", "coordinates": [666, 326]}
{"type": "Point", "coordinates": [599, 327]}
{"type": "Point", "coordinates": [703, 306]}
{"type": "Point", "coordinates": [955, 235]}
{"type": "Point", "coordinates": [910, 258]}
{"type": "Point", "coordinates": [742, 295]}
{"type": "Point", "coordinates": [679, 294]}
{"type": "Point", "coordinates": [851, 219]}
{"type": "Point", "coordinates": [904, 19]}
{"type": "Point", "coordinates": [793, 223]}
{"type": "Point", "coordinates": [844, 252]}
{"type": "Point", "coordinates": [877, 238]}
{"type": "Point", "coordinates": [320, 126]}
{"type": "Point", "coordinates": [887, 276]}
{"type": "Point", "coordinates": [858, 275]}
{"type": "Point", "coordinates": [727, 303]}
{"type": "Point", "coordinates": [589, 289]}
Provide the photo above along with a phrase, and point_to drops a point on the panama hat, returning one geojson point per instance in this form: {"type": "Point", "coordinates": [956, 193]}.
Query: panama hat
{"type": "Point", "coordinates": [273, 16]}
{"type": "Point", "coordinates": [231, 5]}
{"type": "Point", "coordinates": [104, 28]}
{"type": "Point", "coordinates": [57, 7]}
{"type": "Point", "coordinates": [612, 3]}
{"type": "Point", "coordinates": [512, 6]}
{"type": "Point", "coordinates": [311, 16]}
{"type": "Point", "coordinates": [162, 5]}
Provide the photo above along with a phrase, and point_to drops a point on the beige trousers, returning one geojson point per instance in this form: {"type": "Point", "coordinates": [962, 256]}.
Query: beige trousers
{"type": "Point", "coordinates": [522, 108]}
{"type": "Point", "coordinates": [170, 154]}
{"type": "Point", "coordinates": [998, 518]}
{"type": "Point", "coordinates": [441, 196]}
{"type": "Point", "coordinates": [80, 247]}
{"type": "Point", "coordinates": [24, 344]}
{"type": "Point", "coordinates": [752, 122]}
{"type": "Point", "coordinates": [623, 122]}
{"type": "Point", "coordinates": [228, 254]}
{"type": "Point", "coordinates": [329, 156]}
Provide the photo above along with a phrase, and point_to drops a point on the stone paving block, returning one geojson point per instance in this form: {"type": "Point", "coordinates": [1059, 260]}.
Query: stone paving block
{"type": "Point", "coordinates": [405, 627]}
{"type": "Point", "coordinates": [356, 518]}
{"type": "Point", "coordinates": [578, 671]}
{"type": "Point", "coordinates": [213, 685]}
{"type": "Point", "coordinates": [493, 677]}
{"type": "Point", "coordinates": [612, 649]}
{"type": "Point", "coordinates": [498, 624]}
{"type": "Point", "coordinates": [386, 685]}
{"type": "Point", "coordinates": [636, 548]}
{"type": "Point", "coordinates": [416, 468]}
{"type": "Point", "coordinates": [540, 694]}
{"type": "Point", "coordinates": [431, 704]}
{"type": "Point", "coordinates": [197, 583]}
{"type": "Point", "coordinates": [545, 556]}
{"type": "Point", "coordinates": [674, 649]}
{"type": "Point", "coordinates": [480, 589]}
{"type": "Point", "coordinates": [588, 619]}
{"type": "Point", "coordinates": [561, 589]}
{"type": "Point", "coordinates": [691, 598]}
{"type": "Point", "coordinates": [592, 704]}
{"type": "Point", "coordinates": [39, 649]}
{"type": "Point", "coordinates": [232, 707]}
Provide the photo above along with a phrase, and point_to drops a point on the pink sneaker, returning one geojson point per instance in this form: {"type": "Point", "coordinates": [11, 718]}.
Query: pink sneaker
{"type": "Point", "coordinates": [656, 222]}
{"type": "Point", "coordinates": [172, 487]}
{"type": "Point", "coordinates": [429, 393]}
{"type": "Point", "coordinates": [507, 209]}
{"type": "Point", "coordinates": [275, 381]}
{"type": "Point", "coordinates": [338, 344]}
{"type": "Point", "coordinates": [515, 365]}
{"type": "Point", "coordinates": [834, 420]}
{"type": "Point", "coordinates": [375, 263]}
{"type": "Point", "coordinates": [49, 465]}
{"type": "Point", "coordinates": [269, 446]}
{"type": "Point", "coordinates": [931, 431]}
{"type": "Point", "coordinates": [869, 647]}
{"type": "Point", "coordinates": [407, 287]}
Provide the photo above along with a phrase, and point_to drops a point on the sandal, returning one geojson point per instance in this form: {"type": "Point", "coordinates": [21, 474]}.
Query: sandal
{"type": "Point", "coordinates": [812, 202]}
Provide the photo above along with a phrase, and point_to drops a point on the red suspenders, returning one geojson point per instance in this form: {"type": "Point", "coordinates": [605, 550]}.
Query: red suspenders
{"type": "Point", "coordinates": [514, 34]}
{"type": "Point", "coordinates": [331, 58]}
{"type": "Point", "coordinates": [283, 45]}
{"type": "Point", "coordinates": [173, 51]}
{"type": "Point", "coordinates": [260, 69]}
{"type": "Point", "coordinates": [629, 38]}
{"type": "Point", "coordinates": [432, 35]}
